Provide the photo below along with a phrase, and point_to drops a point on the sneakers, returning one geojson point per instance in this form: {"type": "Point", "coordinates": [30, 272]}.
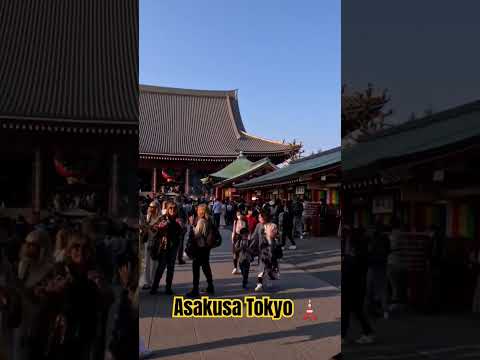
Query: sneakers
{"type": "Point", "coordinates": [209, 290]}
{"type": "Point", "coordinates": [146, 287]}
{"type": "Point", "coordinates": [366, 339]}
{"type": "Point", "coordinates": [292, 247]}
{"type": "Point", "coordinates": [235, 271]}
{"type": "Point", "coordinates": [259, 287]}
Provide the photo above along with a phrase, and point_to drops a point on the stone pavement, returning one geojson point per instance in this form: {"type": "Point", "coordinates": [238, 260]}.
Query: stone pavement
{"type": "Point", "coordinates": [409, 336]}
{"type": "Point", "coordinates": [319, 256]}
{"type": "Point", "coordinates": [247, 338]}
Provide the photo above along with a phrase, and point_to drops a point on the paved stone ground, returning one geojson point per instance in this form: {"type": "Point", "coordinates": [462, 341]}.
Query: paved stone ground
{"type": "Point", "coordinates": [412, 336]}
{"type": "Point", "coordinates": [306, 273]}
{"type": "Point", "coordinates": [320, 257]}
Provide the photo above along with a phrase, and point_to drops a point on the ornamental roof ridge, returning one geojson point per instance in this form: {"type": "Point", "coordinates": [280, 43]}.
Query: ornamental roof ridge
{"type": "Point", "coordinates": [188, 92]}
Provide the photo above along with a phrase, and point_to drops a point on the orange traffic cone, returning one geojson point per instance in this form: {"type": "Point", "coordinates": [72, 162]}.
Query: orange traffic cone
{"type": "Point", "coordinates": [309, 313]}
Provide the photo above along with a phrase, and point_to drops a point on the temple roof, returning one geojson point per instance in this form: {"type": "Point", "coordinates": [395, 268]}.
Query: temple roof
{"type": "Point", "coordinates": [191, 124]}
{"type": "Point", "coordinates": [69, 61]}
{"type": "Point", "coordinates": [311, 164]}
{"type": "Point", "coordinates": [239, 168]}
{"type": "Point", "coordinates": [413, 138]}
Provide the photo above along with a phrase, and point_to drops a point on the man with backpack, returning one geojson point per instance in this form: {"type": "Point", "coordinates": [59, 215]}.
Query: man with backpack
{"type": "Point", "coordinates": [204, 235]}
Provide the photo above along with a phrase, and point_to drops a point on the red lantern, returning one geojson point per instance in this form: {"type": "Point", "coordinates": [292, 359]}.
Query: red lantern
{"type": "Point", "coordinates": [73, 170]}
{"type": "Point", "coordinates": [168, 175]}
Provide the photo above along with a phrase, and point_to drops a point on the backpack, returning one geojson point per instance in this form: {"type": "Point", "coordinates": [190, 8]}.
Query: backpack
{"type": "Point", "coordinates": [214, 238]}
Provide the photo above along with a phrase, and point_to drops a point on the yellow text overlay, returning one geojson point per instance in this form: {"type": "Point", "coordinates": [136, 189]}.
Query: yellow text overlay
{"type": "Point", "coordinates": [250, 306]}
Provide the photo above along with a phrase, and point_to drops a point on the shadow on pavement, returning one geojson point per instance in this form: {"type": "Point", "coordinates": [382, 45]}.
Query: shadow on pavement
{"type": "Point", "coordinates": [313, 332]}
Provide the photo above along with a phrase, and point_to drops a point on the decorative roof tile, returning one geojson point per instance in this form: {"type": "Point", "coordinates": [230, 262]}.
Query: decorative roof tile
{"type": "Point", "coordinates": [69, 60]}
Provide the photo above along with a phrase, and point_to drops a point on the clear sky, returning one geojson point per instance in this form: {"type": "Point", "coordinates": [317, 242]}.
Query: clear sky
{"type": "Point", "coordinates": [282, 55]}
{"type": "Point", "coordinates": [425, 52]}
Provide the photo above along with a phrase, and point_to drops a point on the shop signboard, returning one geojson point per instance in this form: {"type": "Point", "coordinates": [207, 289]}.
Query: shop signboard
{"type": "Point", "coordinates": [382, 205]}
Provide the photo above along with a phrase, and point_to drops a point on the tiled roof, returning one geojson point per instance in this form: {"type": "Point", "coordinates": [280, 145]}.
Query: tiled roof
{"type": "Point", "coordinates": [433, 132]}
{"type": "Point", "coordinates": [234, 168]}
{"type": "Point", "coordinates": [256, 166]}
{"type": "Point", "coordinates": [240, 168]}
{"type": "Point", "coordinates": [69, 61]}
{"type": "Point", "coordinates": [310, 164]}
{"type": "Point", "coordinates": [197, 123]}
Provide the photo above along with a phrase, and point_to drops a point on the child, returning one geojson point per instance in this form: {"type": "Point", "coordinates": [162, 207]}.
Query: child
{"type": "Point", "coordinates": [270, 252]}
{"type": "Point", "coordinates": [244, 255]}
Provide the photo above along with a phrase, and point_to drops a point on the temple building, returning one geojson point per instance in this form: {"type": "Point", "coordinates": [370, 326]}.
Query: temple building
{"type": "Point", "coordinates": [185, 135]}
{"type": "Point", "coordinates": [238, 171]}
{"type": "Point", "coordinates": [68, 107]}
{"type": "Point", "coordinates": [316, 179]}
{"type": "Point", "coordinates": [423, 173]}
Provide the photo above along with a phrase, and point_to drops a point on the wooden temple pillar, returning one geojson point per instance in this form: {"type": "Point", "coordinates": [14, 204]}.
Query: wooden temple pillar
{"type": "Point", "coordinates": [37, 186]}
{"type": "Point", "coordinates": [187, 181]}
{"type": "Point", "coordinates": [114, 201]}
{"type": "Point", "coordinates": [154, 180]}
{"type": "Point", "coordinates": [132, 188]}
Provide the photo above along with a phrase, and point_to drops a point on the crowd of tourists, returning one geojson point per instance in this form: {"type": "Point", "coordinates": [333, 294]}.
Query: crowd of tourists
{"type": "Point", "coordinates": [387, 270]}
{"type": "Point", "coordinates": [174, 229]}
{"type": "Point", "coordinates": [68, 290]}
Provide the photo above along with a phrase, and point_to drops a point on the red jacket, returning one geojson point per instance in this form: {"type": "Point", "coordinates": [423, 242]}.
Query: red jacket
{"type": "Point", "coordinates": [252, 223]}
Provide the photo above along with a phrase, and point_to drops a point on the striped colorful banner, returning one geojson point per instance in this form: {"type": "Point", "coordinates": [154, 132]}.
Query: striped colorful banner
{"type": "Point", "coordinates": [362, 217]}
{"type": "Point", "coordinates": [460, 221]}
{"type": "Point", "coordinates": [422, 216]}
{"type": "Point", "coordinates": [332, 197]}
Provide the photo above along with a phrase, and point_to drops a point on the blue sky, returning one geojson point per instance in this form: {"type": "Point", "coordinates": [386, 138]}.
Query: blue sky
{"type": "Point", "coordinates": [283, 57]}
{"type": "Point", "coordinates": [422, 51]}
